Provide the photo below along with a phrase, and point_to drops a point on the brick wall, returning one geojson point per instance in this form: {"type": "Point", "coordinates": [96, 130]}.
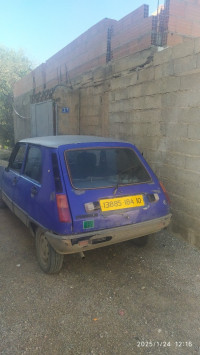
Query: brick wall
{"type": "Point", "coordinates": [132, 33]}
{"type": "Point", "coordinates": [86, 52]}
{"type": "Point", "coordinates": [129, 35]}
{"type": "Point", "coordinates": [170, 25]}
{"type": "Point", "coordinates": [184, 20]}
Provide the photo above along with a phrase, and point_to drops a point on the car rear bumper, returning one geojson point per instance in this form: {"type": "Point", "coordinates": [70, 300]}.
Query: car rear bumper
{"type": "Point", "coordinates": [69, 244]}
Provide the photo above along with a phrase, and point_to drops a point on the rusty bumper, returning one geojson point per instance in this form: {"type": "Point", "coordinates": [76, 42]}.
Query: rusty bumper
{"type": "Point", "coordinates": [69, 244]}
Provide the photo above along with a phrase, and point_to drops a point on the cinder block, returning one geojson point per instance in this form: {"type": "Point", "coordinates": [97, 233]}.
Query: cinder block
{"type": "Point", "coordinates": [140, 129]}
{"type": "Point", "coordinates": [133, 61]}
{"type": "Point", "coordinates": [138, 103]}
{"type": "Point", "coordinates": [173, 130]}
{"type": "Point", "coordinates": [146, 74]}
{"type": "Point", "coordinates": [175, 160]}
{"type": "Point", "coordinates": [121, 94]}
{"type": "Point", "coordinates": [191, 81]}
{"type": "Point", "coordinates": [135, 91]}
{"type": "Point", "coordinates": [169, 84]}
{"type": "Point", "coordinates": [152, 102]}
{"type": "Point", "coordinates": [191, 208]}
{"type": "Point", "coordinates": [146, 115]}
{"type": "Point", "coordinates": [149, 142]}
{"type": "Point", "coordinates": [193, 164]}
{"type": "Point", "coordinates": [187, 195]}
{"type": "Point", "coordinates": [185, 146]}
{"type": "Point", "coordinates": [115, 106]}
{"type": "Point", "coordinates": [184, 50]}
{"type": "Point", "coordinates": [164, 70]}
{"type": "Point", "coordinates": [162, 56]}
{"type": "Point", "coordinates": [152, 130]}
{"type": "Point", "coordinates": [185, 64]}
{"type": "Point", "coordinates": [121, 82]}
{"type": "Point", "coordinates": [182, 115]}
{"type": "Point", "coordinates": [194, 132]}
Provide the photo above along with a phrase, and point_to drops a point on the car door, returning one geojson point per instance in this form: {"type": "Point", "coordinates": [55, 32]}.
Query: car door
{"type": "Point", "coordinates": [12, 174]}
{"type": "Point", "coordinates": [27, 191]}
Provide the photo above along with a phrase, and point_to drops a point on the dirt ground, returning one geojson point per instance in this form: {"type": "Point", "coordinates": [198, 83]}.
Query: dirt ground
{"type": "Point", "coordinates": [118, 300]}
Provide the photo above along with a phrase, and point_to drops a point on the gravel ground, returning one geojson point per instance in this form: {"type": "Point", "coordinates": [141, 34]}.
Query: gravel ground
{"type": "Point", "coordinates": [118, 300]}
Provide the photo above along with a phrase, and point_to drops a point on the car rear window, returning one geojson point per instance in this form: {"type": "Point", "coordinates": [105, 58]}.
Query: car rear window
{"type": "Point", "coordinates": [105, 167]}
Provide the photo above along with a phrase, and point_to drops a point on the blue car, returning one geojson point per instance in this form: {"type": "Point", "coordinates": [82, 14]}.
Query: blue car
{"type": "Point", "coordinates": [77, 193]}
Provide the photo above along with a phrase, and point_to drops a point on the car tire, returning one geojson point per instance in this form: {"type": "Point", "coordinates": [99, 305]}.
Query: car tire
{"type": "Point", "coordinates": [49, 260]}
{"type": "Point", "coordinates": [141, 242]}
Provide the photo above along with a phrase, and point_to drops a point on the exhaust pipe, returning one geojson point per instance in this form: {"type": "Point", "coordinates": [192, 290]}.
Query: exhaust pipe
{"type": "Point", "coordinates": [82, 255]}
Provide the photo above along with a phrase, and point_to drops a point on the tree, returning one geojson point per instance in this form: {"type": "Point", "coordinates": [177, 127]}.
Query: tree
{"type": "Point", "coordinates": [13, 66]}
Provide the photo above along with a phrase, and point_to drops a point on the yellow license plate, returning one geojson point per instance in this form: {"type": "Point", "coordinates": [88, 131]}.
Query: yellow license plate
{"type": "Point", "coordinates": [119, 203]}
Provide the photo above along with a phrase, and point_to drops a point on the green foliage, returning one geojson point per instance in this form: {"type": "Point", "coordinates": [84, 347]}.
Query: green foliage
{"type": "Point", "coordinates": [13, 66]}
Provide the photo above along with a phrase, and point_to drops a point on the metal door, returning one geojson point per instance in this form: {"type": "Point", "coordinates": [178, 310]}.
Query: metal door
{"type": "Point", "coordinates": [42, 119]}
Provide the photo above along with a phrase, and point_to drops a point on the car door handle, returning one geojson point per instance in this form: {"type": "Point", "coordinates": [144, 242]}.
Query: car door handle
{"type": "Point", "coordinates": [34, 191]}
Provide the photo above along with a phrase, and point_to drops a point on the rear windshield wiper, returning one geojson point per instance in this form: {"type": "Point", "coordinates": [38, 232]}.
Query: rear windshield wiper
{"type": "Point", "coordinates": [121, 172]}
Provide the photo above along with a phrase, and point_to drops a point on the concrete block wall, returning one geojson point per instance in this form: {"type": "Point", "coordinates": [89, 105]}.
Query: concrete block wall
{"type": "Point", "coordinates": [161, 115]}
{"type": "Point", "coordinates": [67, 123]}
{"type": "Point", "coordinates": [154, 104]}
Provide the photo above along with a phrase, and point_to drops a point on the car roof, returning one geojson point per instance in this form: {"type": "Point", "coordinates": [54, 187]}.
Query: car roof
{"type": "Point", "coordinates": [56, 141]}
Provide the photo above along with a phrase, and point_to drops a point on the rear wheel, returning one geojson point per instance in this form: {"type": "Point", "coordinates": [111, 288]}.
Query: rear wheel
{"type": "Point", "coordinates": [49, 260]}
{"type": "Point", "coordinates": [141, 242]}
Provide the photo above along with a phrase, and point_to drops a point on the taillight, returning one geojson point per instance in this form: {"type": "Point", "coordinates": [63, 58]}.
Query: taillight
{"type": "Point", "coordinates": [63, 208]}
{"type": "Point", "coordinates": [165, 192]}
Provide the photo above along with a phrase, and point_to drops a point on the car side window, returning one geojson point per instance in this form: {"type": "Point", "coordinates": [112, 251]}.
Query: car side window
{"type": "Point", "coordinates": [17, 157]}
{"type": "Point", "coordinates": [33, 166]}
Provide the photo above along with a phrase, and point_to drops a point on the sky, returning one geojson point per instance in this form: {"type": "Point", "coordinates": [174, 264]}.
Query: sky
{"type": "Point", "coordinates": [43, 27]}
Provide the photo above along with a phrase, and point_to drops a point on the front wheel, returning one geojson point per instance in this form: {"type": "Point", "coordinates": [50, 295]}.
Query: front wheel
{"type": "Point", "coordinates": [49, 260]}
